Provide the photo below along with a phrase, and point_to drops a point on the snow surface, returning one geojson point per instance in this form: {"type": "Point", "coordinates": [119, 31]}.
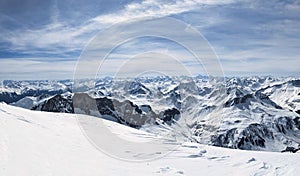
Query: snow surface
{"type": "Point", "coordinates": [42, 143]}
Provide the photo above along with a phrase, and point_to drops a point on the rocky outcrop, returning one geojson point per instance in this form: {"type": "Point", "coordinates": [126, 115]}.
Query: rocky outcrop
{"type": "Point", "coordinates": [243, 101]}
{"type": "Point", "coordinates": [137, 88]}
{"type": "Point", "coordinates": [254, 136]}
{"type": "Point", "coordinates": [170, 115]}
{"type": "Point", "coordinates": [251, 137]}
{"type": "Point", "coordinates": [297, 122]}
{"type": "Point", "coordinates": [57, 104]}
{"type": "Point", "coordinates": [124, 112]}
{"type": "Point", "coordinates": [284, 125]}
{"type": "Point", "coordinates": [291, 149]}
{"type": "Point", "coordinates": [225, 140]}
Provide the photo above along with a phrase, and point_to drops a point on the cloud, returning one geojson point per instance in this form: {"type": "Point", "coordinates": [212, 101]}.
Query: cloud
{"type": "Point", "coordinates": [35, 68]}
{"type": "Point", "coordinates": [265, 30]}
{"type": "Point", "coordinates": [61, 37]}
{"type": "Point", "coordinates": [250, 37]}
{"type": "Point", "coordinates": [156, 8]}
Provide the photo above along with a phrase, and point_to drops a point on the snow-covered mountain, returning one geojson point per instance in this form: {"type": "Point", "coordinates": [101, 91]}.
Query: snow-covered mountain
{"type": "Point", "coordinates": [43, 143]}
{"type": "Point", "coordinates": [12, 91]}
{"type": "Point", "coordinates": [253, 113]}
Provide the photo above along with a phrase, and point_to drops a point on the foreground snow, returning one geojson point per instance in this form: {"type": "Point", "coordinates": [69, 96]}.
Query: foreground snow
{"type": "Point", "coordinates": [40, 143]}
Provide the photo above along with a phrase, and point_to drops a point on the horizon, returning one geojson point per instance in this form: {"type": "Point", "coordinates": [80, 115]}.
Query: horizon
{"type": "Point", "coordinates": [151, 77]}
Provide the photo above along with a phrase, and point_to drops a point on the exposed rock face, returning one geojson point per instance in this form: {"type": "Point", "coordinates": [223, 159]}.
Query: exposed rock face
{"type": "Point", "coordinates": [10, 97]}
{"type": "Point", "coordinates": [266, 100]}
{"type": "Point", "coordinates": [105, 106]}
{"type": "Point", "coordinates": [239, 100]}
{"type": "Point", "coordinates": [243, 101]}
{"type": "Point", "coordinates": [58, 104]}
{"type": "Point", "coordinates": [146, 108]}
{"type": "Point", "coordinates": [254, 135]}
{"type": "Point", "coordinates": [170, 115]}
{"type": "Point", "coordinates": [131, 114]}
{"type": "Point", "coordinates": [86, 103]}
{"type": "Point", "coordinates": [291, 149]}
{"type": "Point", "coordinates": [296, 83]}
{"type": "Point", "coordinates": [297, 122]}
{"type": "Point", "coordinates": [137, 88]}
{"type": "Point", "coordinates": [124, 112]}
{"type": "Point", "coordinates": [225, 140]}
{"type": "Point", "coordinates": [284, 125]}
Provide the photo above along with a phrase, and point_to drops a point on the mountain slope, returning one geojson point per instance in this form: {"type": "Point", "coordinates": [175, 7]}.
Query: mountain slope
{"type": "Point", "coordinates": [42, 143]}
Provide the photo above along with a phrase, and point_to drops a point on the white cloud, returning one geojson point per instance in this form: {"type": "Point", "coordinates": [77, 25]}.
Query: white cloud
{"type": "Point", "coordinates": [70, 38]}
{"type": "Point", "coordinates": [156, 8]}
{"type": "Point", "coordinates": [278, 51]}
{"type": "Point", "coordinates": [35, 68]}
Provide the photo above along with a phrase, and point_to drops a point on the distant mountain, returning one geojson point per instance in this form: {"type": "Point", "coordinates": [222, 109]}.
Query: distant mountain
{"type": "Point", "coordinates": [12, 91]}
{"type": "Point", "coordinates": [253, 113]}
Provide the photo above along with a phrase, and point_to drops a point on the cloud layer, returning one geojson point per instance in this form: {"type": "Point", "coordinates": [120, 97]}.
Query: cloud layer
{"type": "Point", "coordinates": [250, 37]}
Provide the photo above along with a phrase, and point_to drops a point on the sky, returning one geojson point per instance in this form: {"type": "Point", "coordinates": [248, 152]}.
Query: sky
{"type": "Point", "coordinates": [45, 39]}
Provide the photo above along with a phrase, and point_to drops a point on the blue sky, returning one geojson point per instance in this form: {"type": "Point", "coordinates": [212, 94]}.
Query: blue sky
{"type": "Point", "coordinates": [44, 39]}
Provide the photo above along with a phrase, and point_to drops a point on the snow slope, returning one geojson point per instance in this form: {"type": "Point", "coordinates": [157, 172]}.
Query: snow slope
{"type": "Point", "coordinates": [42, 143]}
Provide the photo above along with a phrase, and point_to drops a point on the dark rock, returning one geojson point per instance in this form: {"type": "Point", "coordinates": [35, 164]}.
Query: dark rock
{"type": "Point", "coordinates": [237, 92]}
{"type": "Point", "coordinates": [265, 99]}
{"type": "Point", "coordinates": [225, 140]}
{"type": "Point", "coordinates": [58, 104]}
{"type": "Point", "coordinates": [244, 101]}
{"type": "Point", "coordinates": [136, 88]}
{"type": "Point", "coordinates": [254, 136]}
{"type": "Point", "coordinates": [146, 108]}
{"type": "Point", "coordinates": [205, 91]}
{"type": "Point", "coordinates": [125, 112]}
{"type": "Point", "coordinates": [284, 124]}
{"type": "Point", "coordinates": [238, 100]}
{"type": "Point", "coordinates": [250, 138]}
{"type": "Point", "coordinates": [105, 106]}
{"type": "Point", "coordinates": [295, 83]}
{"type": "Point", "coordinates": [297, 122]}
{"type": "Point", "coordinates": [169, 115]}
{"type": "Point", "coordinates": [10, 97]}
{"type": "Point", "coordinates": [130, 114]}
{"type": "Point", "coordinates": [291, 149]}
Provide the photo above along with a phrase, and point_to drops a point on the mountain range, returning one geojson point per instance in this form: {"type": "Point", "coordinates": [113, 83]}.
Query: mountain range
{"type": "Point", "coordinates": [250, 113]}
